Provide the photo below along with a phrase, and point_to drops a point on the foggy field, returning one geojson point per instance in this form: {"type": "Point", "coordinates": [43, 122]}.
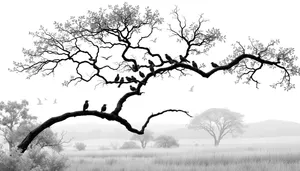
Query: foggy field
{"type": "Point", "coordinates": [250, 155]}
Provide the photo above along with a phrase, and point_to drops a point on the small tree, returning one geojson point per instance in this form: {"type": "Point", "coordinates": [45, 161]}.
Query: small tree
{"type": "Point", "coordinates": [165, 141]}
{"type": "Point", "coordinates": [130, 145]}
{"type": "Point", "coordinates": [80, 146]}
{"type": "Point", "coordinates": [16, 123]}
{"type": "Point", "coordinates": [218, 123]}
{"type": "Point", "coordinates": [12, 115]}
{"type": "Point", "coordinates": [143, 139]}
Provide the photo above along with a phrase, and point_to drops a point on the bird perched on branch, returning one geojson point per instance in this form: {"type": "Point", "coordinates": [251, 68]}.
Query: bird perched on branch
{"type": "Point", "coordinates": [141, 74]}
{"type": "Point", "coordinates": [182, 59]}
{"type": "Point", "coordinates": [214, 65]}
{"type": "Point", "coordinates": [103, 109]}
{"type": "Point", "coordinates": [132, 88]}
{"type": "Point", "coordinates": [135, 68]}
{"type": "Point", "coordinates": [150, 63]}
{"type": "Point", "coordinates": [117, 78]}
{"type": "Point", "coordinates": [86, 105]}
{"type": "Point", "coordinates": [152, 70]}
{"type": "Point", "coordinates": [169, 58]}
{"type": "Point", "coordinates": [134, 79]}
{"type": "Point", "coordinates": [195, 65]}
{"type": "Point", "coordinates": [128, 79]}
{"type": "Point", "coordinates": [121, 82]}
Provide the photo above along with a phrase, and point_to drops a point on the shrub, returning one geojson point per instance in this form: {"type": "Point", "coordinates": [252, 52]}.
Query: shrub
{"type": "Point", "coordinates": [130, 145]}
{"type": "Point", "coordinates": [80, 146]}
{"type": "Point", "coordinates": [34, 159]}
{"type": "Point", "coordinates": [165, 141]}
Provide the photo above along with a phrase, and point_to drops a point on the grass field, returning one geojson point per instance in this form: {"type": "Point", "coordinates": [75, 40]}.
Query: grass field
{"type": "Point", "coordinates": [246, 155]}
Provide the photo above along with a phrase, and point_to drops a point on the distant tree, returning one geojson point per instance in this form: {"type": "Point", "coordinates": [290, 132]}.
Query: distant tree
{"type": "Point", "coordinates": [218, 123]}
{"type": "Point", "coordinates": [165, 141]}
{"type": "Point", "coordinates": [114, 47]}
{"type": "Point", "coordinates": [143, 139]}
{"type": "Point", "coordinates": [16, 123]}
{"type": "Point", "coordinates": [13, 115]}
{"type": "Point", "coordinates": [130, 145]}
{"type": "Point", "coordinates": [80, 146]}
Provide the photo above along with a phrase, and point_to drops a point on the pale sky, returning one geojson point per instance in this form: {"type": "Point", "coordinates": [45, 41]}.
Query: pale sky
{"type": "Point", "coordinates": [263, 20]}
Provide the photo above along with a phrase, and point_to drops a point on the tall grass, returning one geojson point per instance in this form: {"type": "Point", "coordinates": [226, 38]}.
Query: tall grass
{"type": "Point", "coordinates": [228, 158]}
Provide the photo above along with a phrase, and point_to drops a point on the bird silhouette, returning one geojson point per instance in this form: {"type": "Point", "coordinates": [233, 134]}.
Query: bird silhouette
{"type": "Point", "coordinates": [169, 58]}
{"type": "Point", "coordinates": [135, 68]}
{"type": "Point", "coordinates": [86, 105]}
{"type": "Point", "coordinates": [117, 78]}
{"type": "Point", "coordinates": [150, 63]}
{"type": "Point", "coordinates": [152, 70]}
{"type": "Point", "coordinates": [214, 65]}
{"type": "Point", "coordinates": [128, 79]}
{"type": "Point", "coordinates": [134, 79]}
{"type": "Point", "coordinates": [192, 89]}
{"type": "Point", "coordinates": [195, 65]}
{"type": "Point", "coordinates": [182, 59]}
{"type": "Point", "coordinates": [103, 108]}
{"type": "Point", "coordinates": [106, 58]}
{"type": "Point", "coordinates": [121, 82]}
{"type": "Point", "coordinates": [55, 101]}
{"type": "Point", "coordinates": [132, 88]}
{"type": "Point", "coordinates": [39, 101]}
{"type": "Point", "coordinates": [141, 74]}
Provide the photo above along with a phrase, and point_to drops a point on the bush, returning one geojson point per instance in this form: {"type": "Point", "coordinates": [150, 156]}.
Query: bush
{"type": "Point", "coordinates": [165, 141]}
{"type": "Point", "coordinates": [80, 146]}
{"type": "Point", "coordinates": [130, 145]}
{"type": "Point", "coordinates": [34, 159]}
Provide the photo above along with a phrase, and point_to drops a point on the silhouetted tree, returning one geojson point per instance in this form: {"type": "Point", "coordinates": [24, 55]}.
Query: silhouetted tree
{"type": "Point", "coordinates": [218, 123]}
{"type": "Point", "coordinates": [143, 139]}
{"type": "Point", "coordinates": [121, 32]}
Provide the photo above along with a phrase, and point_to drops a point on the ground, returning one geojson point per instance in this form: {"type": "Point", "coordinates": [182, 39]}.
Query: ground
{"type": "Point", "coordinates": [253, 154]}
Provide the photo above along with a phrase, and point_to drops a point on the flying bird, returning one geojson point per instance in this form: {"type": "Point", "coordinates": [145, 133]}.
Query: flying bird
{"type": "Point", "coordinates": [214, 65]}
{"type": "Point", "coordinates": [132, 88]}
{"type": "Point", "coordinates": [103, 108]}
{"type": "Point", "coordinates": [117, 78]}
{"type": "Point", "coordinates": [86, 105]}
{"type": "Point", "coordinates": [121, 82]}
{"type": "Point", "coordinates": [192, 89]}
{"type": "Point", "coordinates": [55, 101]}
{"type": "Point", "coordinates": [40, 102]}
{"type": "Point", "coordinates": [182, 59]}
{"type": "Point", "coordinates": [141, 74]}
{"type": "Point", "coordinates": [106, 58]}
{"type": "Point", "coordinates": [195, 65]}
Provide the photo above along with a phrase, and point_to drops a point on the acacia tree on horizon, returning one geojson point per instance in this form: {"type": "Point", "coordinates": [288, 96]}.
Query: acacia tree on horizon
{"type": "Point", "coordinates": [121, 31]}
{"type": "Point", "coordinates": [218, 123]}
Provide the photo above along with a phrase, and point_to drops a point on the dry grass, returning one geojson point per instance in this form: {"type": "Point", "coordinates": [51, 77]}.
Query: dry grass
{"type": "Point", "coordinates": [260, 157]}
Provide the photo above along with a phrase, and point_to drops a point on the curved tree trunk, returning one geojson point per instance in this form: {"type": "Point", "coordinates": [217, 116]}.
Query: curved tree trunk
{"type": "Point", "coordinates": [108, 116]}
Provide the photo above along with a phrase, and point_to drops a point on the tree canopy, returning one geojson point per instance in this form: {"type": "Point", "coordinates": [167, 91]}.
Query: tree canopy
{"type": "Point", "coordinates": [111, 47]}
{"type": "Point", "coordinates": [218, 123]}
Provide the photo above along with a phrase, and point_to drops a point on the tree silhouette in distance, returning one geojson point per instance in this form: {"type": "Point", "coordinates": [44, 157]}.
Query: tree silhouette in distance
{"type": "Point", "coordinates": [218, 123]}
{"type": "Point", "coordinates": [124, 30]}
